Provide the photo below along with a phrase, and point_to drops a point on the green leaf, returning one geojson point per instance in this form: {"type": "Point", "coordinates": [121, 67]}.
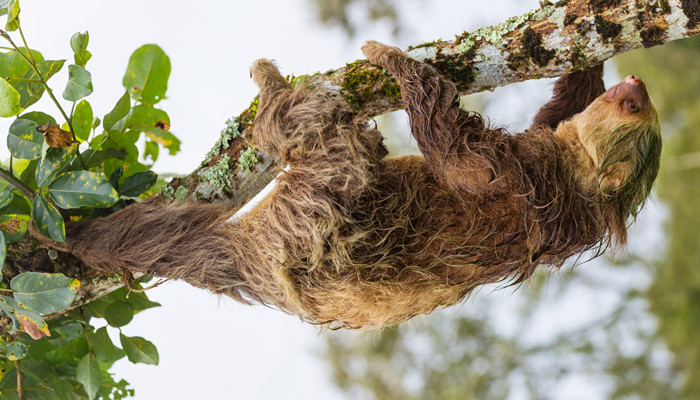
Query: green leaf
{"type": "Point", "coordinates": [82, 120]}
{"type": "Point", "coordinates": [39, 382]}
{"type": "Point", "coordinates": [31, 92]}
{"type": "Point", "coordinates": [89, 375]}
{"type": "Point", "coordinates": [103, 347]}
{"type": "Point", "coordinates": [48, 219]}
{"type": "Point", "coordinates": [151, 150]}
{"type": "Point", "coordinates": [12, 14]}
{"type": "Point", "coordinates": [6, 306]}
{"type": "Point", "coordinates": [64, 353]}
{"type": "Point", "coordinates": [139, 350]}
{"type": "Point", "coordinates": [138, 300]}
{"type": "Point", "coordinates": [27, 175]}
{"type": "Point", "coordinates": [6, 197]}
{"type": "Point", "coordinates": [119, 313]}
{"type": "Point", "coordinates": [150, 120]}
{"type": "Point", "coordinates": [138, 183]}
{"type": "Point", "coordinates": [24, 141]}
{"type": "Point", "coordinates": [82, 188]}
{"type": "Point", "coordinates": [3, 249]}
{"type": "Point", "coordinates": [70, 330]}
{"type": "Point", "coordinates": [26, 320]}
{"type": "Point", "coordinates": [95, 158]}
{"type": "Point", "coordinates": [16, 351]}
{"type": "Point", "coordinates": [79, 83]}
{"type": "Point", "coordinates": [144, 118]}
{"type": "Point", "coordinates": [114, 178]}
{"type": "Point", "coordinates": [44, 293]}
{"type": "Point", "coordinates": [13, 65]}
{"type": "Point", "coordinates": [13, 226]}
{"type": "Point", "coordinates": [39, 117]}
{"type": "Point", "coordinates": [79, 42]}
{"type": "Point", "coordinates": [165, 139]}
{"type": "Point", "coordinates": [9, 100]}
{"type": "Point", "coordinates": [124, 142]}
{"type": "Point", "coordinates": [54, 162]}
{"type": "Point", "coordinates": [19, 205]}
{"type": "Point", "coordinates": [120, 110]}
{"type": "Point", "coordinates": [146, 77]}
{"type": "Point", "coordinates": [16, 70]}
{"type": "Point", "coordinates": [130, 167]}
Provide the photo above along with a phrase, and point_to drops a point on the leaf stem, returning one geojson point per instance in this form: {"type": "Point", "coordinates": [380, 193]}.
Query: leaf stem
{"type": "Point", "coordinates": [72, 110]}
{"type": "Point", "coordinates": [24, 80]}
{"type": "Point", "coordinates": [98, 148]}
{"type": "Point", "coordinates": [20, 389]}
{"type": "Point", "coordinates": [19, 185]}
{"type": "Point", "coordinates": [26, 46]}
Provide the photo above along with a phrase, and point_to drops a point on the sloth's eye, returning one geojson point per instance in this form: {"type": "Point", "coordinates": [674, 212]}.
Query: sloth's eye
{"type": "Point", "coordinates": [632, 106]}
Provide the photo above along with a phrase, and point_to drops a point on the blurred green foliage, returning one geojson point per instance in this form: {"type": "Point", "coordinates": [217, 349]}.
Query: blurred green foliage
{"type": "Point", "coordinates": [672, 75]}
{"type": "Point", "coordinates": [339, 13]}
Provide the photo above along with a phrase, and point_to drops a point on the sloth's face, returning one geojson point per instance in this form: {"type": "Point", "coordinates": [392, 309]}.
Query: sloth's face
{"type": "Point", "coordinates": [620, 132]}
{"type": "Point", "coordinates": [629, 96]}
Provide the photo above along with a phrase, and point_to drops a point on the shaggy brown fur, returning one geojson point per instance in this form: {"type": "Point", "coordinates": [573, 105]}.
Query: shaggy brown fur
{"type": "Point", "coordinates": [352, 238]}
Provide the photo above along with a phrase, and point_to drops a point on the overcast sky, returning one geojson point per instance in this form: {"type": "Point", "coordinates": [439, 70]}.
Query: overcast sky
{"type": "Point", "coordinates": [211, 347]}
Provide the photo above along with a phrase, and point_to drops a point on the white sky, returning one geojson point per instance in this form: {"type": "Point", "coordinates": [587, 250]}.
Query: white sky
{"type": "Point", "coordinates": [211, 347]}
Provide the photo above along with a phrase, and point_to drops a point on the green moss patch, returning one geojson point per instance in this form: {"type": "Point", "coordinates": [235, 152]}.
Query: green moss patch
{"type": "Point", "coordinates": [360, 82]}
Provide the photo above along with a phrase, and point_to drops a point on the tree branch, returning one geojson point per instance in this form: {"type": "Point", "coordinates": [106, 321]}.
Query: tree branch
{"type": "Point", "coordinates": [570, 35]}
{"type": "Point", "coordinates": [573, 34]}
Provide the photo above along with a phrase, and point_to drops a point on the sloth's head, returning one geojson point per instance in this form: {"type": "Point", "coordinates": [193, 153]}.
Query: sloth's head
{"type": "Point", "coordinates": [621, 135]}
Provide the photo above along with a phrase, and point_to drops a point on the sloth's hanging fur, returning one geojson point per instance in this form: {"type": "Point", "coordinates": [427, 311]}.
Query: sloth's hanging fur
{"type": "Point", "coordinates": [358, 240]}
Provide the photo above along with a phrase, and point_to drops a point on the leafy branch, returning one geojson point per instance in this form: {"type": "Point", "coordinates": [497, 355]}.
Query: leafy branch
{"type": "Point", "coordinates": [48, 179]}
{"type": "Point", "coordinates": [30, 60]}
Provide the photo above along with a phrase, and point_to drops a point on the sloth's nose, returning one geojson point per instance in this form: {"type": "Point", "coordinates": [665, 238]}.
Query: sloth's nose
{"type": "Point", "coordinates": [632, 80]}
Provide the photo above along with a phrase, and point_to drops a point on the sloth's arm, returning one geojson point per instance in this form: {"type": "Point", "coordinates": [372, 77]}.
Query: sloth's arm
{"type": "Point", "coordinates": [572, 93]}
{"type": "Point", "coordinates": [463, 153]}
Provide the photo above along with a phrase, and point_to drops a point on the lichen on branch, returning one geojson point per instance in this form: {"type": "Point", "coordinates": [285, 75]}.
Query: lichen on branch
{"type": "Point", "coordinates": [547, 42]}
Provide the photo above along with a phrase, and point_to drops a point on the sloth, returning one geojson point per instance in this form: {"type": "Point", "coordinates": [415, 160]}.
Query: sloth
{"type": "Point", "coordinates": [350, 238]}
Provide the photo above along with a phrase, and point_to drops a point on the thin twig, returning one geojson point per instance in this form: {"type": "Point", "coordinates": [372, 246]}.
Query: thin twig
{"type": "Point", "coordinates": [12, 78]}
{"type": "Point", "coordinates": [20, 390]}
{"type": "Point", "coordinates": [19, 185]}
{"type": "Point", "coordinates": [155, 285]}
{"type": "Point", "coordinates": [26, 46]}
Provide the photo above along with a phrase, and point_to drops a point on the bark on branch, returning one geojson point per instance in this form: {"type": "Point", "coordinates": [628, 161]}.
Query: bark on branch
{"type": "Point", "coordinates": [572, 34]}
